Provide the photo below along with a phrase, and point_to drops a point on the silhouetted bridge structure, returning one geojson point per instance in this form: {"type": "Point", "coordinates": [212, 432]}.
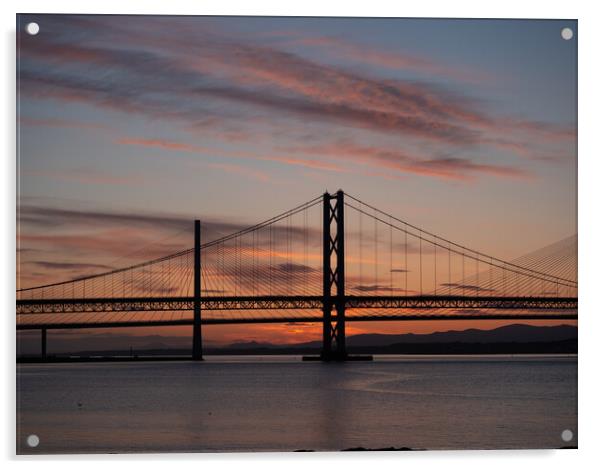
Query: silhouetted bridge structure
{"type": "Point", "coordinates": [308, 265]}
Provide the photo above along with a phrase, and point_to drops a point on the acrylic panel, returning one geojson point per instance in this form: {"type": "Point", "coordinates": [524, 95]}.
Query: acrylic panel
{"type": "Point", "coordinates": [295, 234]}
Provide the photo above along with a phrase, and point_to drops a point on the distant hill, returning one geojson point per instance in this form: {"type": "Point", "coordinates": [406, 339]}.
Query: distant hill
{"type": "Point", "coordinates": [250, 345]}
{"type": "Point", "coordinates": [514, 333]}
{"type": "Point", "coordinates": [512, 339]}
{"type": "Point", "coordinates": [520, 333]}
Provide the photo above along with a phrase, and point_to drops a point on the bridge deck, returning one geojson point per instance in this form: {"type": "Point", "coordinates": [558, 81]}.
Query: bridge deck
{"type": "Point", "coordinates": [298, 319]}
{"type": "Point", "coordinates": [34, 306]}
{"type": "Point", "coordinates": [79, 313]}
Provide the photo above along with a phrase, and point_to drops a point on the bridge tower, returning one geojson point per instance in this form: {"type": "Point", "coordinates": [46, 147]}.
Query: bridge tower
{"type": "Point", "coordinates": [197, 339]}
{"type": "Point", "coordinates": [333, 245]}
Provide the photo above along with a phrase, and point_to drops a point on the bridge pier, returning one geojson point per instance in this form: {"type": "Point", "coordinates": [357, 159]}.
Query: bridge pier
{"type": "Point", "coordinates": [43, 348]}
{"type": "Point", "coordinates": [197, 336]}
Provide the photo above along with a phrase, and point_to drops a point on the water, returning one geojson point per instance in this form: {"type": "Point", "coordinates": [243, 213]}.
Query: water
{"type": "Point", "coordinates": [283, 404]}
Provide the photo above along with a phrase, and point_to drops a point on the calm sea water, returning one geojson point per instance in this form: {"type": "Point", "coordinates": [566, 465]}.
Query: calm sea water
{"type": "Point", "coordinates": [283, 404]}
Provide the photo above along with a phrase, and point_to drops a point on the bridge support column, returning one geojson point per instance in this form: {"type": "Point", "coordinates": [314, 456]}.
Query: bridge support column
{"type": "Point", "coordinates": [43, 349]}
{"type": "Point", "coordinates": [333, 335]}
{"type": "Point", "coordinates": [197, 337]}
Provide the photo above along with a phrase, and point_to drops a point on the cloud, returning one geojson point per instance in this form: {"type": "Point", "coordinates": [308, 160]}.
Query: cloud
{"type": "Point", "coordinates": [290, 267]}
{"type": "Point", "coordinates": [461, 168]}
{"type": "Point", "coordinates": [248, 275]}
{"type": "Point", "coordinates": [45, 216]}
{"type": "Point", "coordinates": [377, 288]}
{"type": "Point", "coordinates": [200, 75]}
{"type": "Point", "coordinates": [360, 53]}
{"type": "Point", "coordinates": [21, 250]}
{"type": "Point", "coordinates": [113, 242]}
{"type": "Point", "coordinates": [474, 288]}
{"type": "Point", "coordinates": [450, 168]}
{"type": "Point", "coordinates": [345, 114]}
{"type": "Point", "coordinates": [69, 265]}
{"type": "Point", "coordinates": [171, 145]}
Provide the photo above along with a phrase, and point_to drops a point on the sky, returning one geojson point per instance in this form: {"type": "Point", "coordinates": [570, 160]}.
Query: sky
{"type": "Point", "coordinates": [466, 128]}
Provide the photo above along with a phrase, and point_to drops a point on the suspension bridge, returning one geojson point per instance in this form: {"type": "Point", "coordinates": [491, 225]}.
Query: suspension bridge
{"type": "Point", "coordinates": [330, 260]}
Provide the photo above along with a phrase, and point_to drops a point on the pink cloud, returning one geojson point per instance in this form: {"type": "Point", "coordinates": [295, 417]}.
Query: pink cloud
{"type": "Point", "coordinates": [392, 60]}
{"type": "Point", "coordinates": [188, 148]}
{"type": "Point", "coordinates": [449, 168]}
{"type": "Point", "coordinates": [442, 168]}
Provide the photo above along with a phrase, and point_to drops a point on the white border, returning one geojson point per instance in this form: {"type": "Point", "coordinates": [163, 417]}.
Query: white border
{"type": "Point", "coordinates": [590, 199]}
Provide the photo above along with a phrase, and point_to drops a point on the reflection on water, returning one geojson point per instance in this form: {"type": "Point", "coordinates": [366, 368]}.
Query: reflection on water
{"type": "Point", "coordinates": [283, 404]}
